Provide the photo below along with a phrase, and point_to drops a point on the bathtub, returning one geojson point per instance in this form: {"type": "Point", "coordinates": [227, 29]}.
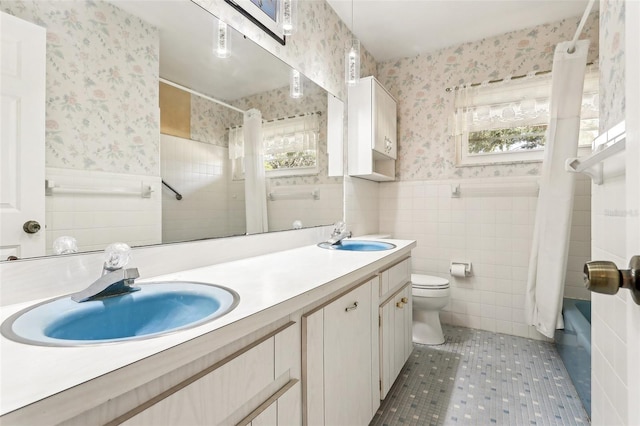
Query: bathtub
{"type": "Point", "coordinates": [574, 345]}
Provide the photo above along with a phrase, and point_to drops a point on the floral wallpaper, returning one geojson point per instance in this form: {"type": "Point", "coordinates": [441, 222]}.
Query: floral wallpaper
{"type": "Point", "coordinates": [210, 121]}
{"type": "Point", "coordinates": [316, 50]}
{"type": "Point", "coordinates": [425, 149]}
{"type": "Point", "coordinates": [101, 86]}
{"type": "Point", "coordinates": [612, 65]}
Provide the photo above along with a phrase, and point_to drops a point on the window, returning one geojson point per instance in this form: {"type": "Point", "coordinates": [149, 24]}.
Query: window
{"type": "Point", "coordinates": [507, 122]}
{"type": "Point", "coordinates": [290, 146]}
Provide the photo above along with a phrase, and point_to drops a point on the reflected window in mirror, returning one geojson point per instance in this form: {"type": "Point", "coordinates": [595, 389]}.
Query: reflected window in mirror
{"type": "Point", "coordinates": [290, 146]}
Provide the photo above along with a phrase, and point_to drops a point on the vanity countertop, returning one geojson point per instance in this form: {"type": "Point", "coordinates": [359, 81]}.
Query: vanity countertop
{"type": "Point", "coordinates": [270, 286]}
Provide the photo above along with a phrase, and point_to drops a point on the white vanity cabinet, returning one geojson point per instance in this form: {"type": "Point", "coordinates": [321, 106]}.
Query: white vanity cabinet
{"type": "Point", "coordinates": [396, 322]}
{"type": "Point", "coordinates": [340, 362]}
{"type": "Point", "coordinates": [372, 125]}
{"type": "Point", "coordinates": [256, 385]}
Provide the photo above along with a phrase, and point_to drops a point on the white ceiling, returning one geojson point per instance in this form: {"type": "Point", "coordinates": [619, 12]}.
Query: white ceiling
{"type": "Point", "coordinates": [391, 29]}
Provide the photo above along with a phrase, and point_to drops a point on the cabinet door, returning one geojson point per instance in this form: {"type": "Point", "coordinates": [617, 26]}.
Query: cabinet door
{"type": "Point", "coordinates": [408, 323]}
{"type": "Point", "coordinates": [384, 121]}
{"type": "Point", "coordinates": [347, 358]}
{"type": "Point", "coordinates": [399, 336]}
{"type": "Point", "coordinates": [395, 337]}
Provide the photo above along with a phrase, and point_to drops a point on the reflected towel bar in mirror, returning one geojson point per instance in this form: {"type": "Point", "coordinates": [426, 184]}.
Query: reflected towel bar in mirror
{"type": "Point", "coordinates": [51, 187]}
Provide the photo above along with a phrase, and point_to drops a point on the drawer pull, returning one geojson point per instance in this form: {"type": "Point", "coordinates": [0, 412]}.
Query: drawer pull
{"type": "Point", "coordinates": [400, 305]}
{"type": "Point", "coordinates": [405, 300]}
{"type": "Point", "coordinates": [352, 307]}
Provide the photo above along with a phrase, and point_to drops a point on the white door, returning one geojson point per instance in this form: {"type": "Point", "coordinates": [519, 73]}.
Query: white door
{"type": "Point", "coordinates": [22, 115]}
{"type": "Point", "coordinates": [632, 63]}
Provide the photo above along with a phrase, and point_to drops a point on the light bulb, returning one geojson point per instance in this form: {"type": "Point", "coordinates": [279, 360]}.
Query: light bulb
{"type": "Point", "coordinates": [352, 63]}
{"type": "Point", "coordinates": [296, 86]}
{"type": "Point", "coordinates": [288, 17]}
{"type": "Point", "coordinates": [222, 40]}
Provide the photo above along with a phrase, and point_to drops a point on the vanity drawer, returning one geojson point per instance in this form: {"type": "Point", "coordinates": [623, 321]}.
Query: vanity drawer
{"type": "Point", "coordinates": [227, 392]}
{"type": "Point", "coordinates": [395, 276]}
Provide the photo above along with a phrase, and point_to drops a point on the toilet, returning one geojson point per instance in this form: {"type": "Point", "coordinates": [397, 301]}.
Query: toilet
{"type": "Point", "coordinates": [430, 295]}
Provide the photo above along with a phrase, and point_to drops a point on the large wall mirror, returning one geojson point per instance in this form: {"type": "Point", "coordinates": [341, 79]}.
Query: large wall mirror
{"type": "Point", "coordinates": [141, 108]}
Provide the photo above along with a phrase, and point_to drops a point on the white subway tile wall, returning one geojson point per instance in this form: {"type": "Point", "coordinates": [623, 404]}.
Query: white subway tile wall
{"type": "Point", "coordinates": [97, 220]}
{"type": "Point", "coordinates": [609, 313]}
{"type": "Point", "coordinates": [361, 205]}
{"type": "Point", "coordinates": [283, 211]}
{"type": "Point", "coordinates": [200, 172]}
{"type": "Point", "coordinates": [491, 225]}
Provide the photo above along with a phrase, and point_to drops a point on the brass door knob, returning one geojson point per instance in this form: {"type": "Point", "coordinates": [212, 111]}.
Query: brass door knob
{"type": "Point", "coordinates": [605, 277]}
{"type": "Point", "coordinates": [602, 277]}
{"type": "Point", "coordinates": [31, 227]}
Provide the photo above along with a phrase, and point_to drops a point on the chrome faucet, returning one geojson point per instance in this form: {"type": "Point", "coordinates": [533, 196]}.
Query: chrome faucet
{"type": "Point", "coordinates": [339, 233]}
{"type": "Point", "coordinates": [114, 280]}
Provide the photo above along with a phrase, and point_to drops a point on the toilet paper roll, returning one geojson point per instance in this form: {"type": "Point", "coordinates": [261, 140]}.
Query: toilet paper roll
{"type": "Point", "coordinates": [457, 270]}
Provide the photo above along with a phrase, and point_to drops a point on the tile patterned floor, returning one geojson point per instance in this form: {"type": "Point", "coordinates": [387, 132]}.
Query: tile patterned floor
{"type": "Point", "coordinates": [482, 378]}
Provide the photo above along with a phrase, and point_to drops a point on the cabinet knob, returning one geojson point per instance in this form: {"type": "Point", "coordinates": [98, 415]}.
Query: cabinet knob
{"type": "Point", "coordinates": [352, 307]}
{"type": "Point", "coordinates": [400, 305]}
{"type": "Point", "coordinates": [405, 300]}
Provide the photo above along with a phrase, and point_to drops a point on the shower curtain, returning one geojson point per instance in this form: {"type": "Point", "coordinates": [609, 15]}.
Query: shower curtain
{"type": "Point", "coordinates": [254, 178]}
{"type": "Point", "coordinates": [547, 264]}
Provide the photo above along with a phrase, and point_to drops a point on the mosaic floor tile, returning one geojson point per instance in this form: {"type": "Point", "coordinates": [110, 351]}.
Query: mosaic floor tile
{"type": "Point", "coordinates": [481, 378]}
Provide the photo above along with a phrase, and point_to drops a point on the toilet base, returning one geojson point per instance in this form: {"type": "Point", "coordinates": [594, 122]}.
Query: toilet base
{"type": "Point", "coordinates": [426, 328]}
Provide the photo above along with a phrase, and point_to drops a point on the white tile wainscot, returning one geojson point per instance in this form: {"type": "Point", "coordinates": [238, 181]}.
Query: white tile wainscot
{"type": "Point", "coordinates": [100, 384]}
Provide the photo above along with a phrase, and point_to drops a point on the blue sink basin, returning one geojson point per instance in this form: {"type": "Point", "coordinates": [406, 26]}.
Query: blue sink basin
{"type": "Point", "coordinates": [157, 309]}
{"type": "Point", "coordinates": [358, 245]}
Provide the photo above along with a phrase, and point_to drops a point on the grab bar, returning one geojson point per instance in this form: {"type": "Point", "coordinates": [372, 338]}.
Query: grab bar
{"type": "Point", "coordinates": [178, 195]}
{"type": "Point", "coordinates": [51, 187]}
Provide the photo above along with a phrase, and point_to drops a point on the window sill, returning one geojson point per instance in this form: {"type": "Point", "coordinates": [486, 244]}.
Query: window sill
{"type": "Point", "coordinates": [310, 171]}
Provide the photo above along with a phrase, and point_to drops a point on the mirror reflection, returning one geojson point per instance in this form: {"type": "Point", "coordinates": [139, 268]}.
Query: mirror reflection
{"type": "Point", "coordinates": [146, 128]}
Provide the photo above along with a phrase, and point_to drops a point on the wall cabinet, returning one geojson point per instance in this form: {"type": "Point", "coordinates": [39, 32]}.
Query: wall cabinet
{"type": "Point", "coordinates": [372, 124]}
{"type": "Point", "coordinates": [340, 362]}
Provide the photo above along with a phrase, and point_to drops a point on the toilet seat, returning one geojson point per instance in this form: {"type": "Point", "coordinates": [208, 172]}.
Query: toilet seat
{"type": "Point", "coordinates": [428, 282]}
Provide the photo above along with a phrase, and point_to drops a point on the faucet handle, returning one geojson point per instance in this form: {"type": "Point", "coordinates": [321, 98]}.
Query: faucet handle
{"type": "Point", "coordinates": [339, 227]}
{"type": "Point", "coordinates": [116, 256]}
{"type": "Point", "coordinates": [65, 245]}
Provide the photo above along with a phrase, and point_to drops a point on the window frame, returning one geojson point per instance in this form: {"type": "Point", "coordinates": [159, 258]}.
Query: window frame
{"type": "Point", "coordinates": [466, 159]}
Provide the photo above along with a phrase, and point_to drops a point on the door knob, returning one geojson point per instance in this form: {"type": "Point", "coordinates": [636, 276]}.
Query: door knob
{"type": "Point", "coordinates": [605, 277]}
{"type": "Point", "coordinates": [31, 227]}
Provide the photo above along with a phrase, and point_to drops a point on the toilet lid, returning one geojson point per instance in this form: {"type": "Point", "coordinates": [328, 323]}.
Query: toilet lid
{"type": "Point", "coordinates": [428, 281]}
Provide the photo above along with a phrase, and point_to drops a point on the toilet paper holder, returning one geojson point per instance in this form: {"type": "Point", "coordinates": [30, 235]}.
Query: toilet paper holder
{"type": "Point", "coordinates": [467, 268]}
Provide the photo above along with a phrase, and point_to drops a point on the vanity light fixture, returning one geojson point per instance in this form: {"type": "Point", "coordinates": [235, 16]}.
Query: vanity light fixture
{"type": "Point", "coordinates": [288, 14]}
{"type": "Point", "coordinates": [222, 41]}
{"type": "Point", "coordinates": [352, 57]}
{"type": "Point", "coordinates": [296, 86]}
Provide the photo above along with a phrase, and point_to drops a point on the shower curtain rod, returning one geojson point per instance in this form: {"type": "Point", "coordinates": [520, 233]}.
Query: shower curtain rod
{"type": "Point", "coordinates": [499, 80]}
{"type": "Point", "coordinates": [282, 118]}
{"type": "Point", "coordinates": [193, 92]}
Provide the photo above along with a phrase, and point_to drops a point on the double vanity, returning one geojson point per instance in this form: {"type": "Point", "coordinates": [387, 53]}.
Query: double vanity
{"type": "Point", "coordinates": [316, 338]}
